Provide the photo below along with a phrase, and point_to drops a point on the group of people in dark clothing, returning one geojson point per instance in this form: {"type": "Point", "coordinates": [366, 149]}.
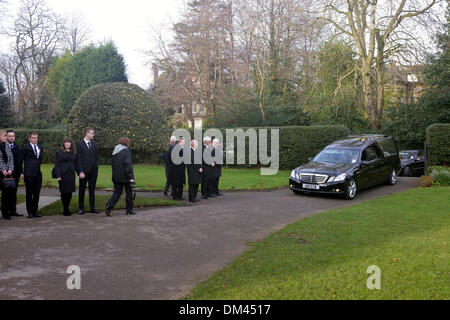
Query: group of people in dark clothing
{"type": "Point", "coordinates": [201, 172]}
{"type": "Point", "coordinates": [25, 163]}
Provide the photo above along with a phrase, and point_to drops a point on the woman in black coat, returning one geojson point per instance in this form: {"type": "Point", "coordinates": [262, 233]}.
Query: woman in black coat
{"type": "Point", "coordinates": [122, 176]}
{"type": "Point", "coordinates": [65, 172]}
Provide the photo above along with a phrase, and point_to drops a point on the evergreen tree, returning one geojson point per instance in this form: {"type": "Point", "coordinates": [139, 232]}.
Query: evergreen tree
{"type": "Point", "coordinates": [90, 66]}
{"type": "Point", "coordinates": [5, 110]}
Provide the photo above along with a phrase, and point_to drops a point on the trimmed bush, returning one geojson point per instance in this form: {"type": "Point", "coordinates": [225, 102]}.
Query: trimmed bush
{"type": "Point", "coordinates": [120, 109]}
{"type": "Point", "coordinates": [438, 145]}
{"type": "Point", "coordinates": [50, 139]}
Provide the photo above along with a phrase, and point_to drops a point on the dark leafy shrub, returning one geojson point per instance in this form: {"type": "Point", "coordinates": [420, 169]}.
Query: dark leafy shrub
{"type": "Point", "coordinates": [120, 109]}
{"type": "Point", "coordinates": [438, 146]}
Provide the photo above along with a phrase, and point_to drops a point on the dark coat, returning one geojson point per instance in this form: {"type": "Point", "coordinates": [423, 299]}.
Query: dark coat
{"type": "Point", "coordinates": [193, 171]}
{"type": "Point", "coordinates": [7, 159]}
{"type": "Point", "coordinates": [122, 167]}
{"type": "Point", "coordinates": [31, 164]}
{"type": "Point", "coordinates": [87, 159]}
{"type": "Point", "coordinates": [207, 168]}
{"type": "Point", "coordinates": [17, 160]}
{"type": "Point", "coordinates": [177, 174]}
{"type": "Point", "coordinates": [65, 163]}
{"type": "Point", "coordinates": [166, 158]}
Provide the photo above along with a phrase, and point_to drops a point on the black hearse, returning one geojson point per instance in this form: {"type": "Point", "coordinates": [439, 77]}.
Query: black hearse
{"type": "Point", "coordinates": [349, 165]}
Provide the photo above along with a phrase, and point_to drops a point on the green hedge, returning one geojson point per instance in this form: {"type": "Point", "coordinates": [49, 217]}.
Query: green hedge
{"type": "Point", "coordinates": [50, 139]}
{"type": "Point", "coordinates": [438, 145]}
{"type": "Point", "coordinates": [298, 143]}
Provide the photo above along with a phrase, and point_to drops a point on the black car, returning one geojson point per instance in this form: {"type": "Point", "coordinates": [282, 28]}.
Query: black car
{"type": "Point", "coordinates": [413, 163]}
{"type": "Point", "coordinates": [349, 165]}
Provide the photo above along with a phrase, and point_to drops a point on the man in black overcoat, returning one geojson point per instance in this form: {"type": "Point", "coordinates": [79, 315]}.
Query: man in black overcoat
{"type": "Point", "coordinates": [177, 174]}
{"type": "Point", "coordinates": [167, 164]}
{"type": "Point", "coordinates": [208, 169]}
{"type": "Point", "coordinates": [194, 174]}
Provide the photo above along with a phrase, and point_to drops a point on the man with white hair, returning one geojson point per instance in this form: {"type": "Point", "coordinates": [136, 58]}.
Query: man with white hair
{"type": "Point", "coordinates": [207, 171]}
{"type": "Point", "coordinates": [194, 174]}
{"type": "Point", "coordinates": [166, 158]}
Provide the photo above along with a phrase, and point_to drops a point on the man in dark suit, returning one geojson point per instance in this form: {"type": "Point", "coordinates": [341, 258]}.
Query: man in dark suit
{"type": "Point", "coordinates": [15, 149]}
{"type": "Point", "coordinates": [166, 157]}
{"type": "Point", "coordinates": [177, 176]}
{"type": "Point", "coordinates": [194, 174]}
{"type": "Point", "coordinates": [208, 169]}
{"type": "Point", "coordinates": [87, 169]}
{"type": "Point", "coordinates": [218, 156]}
{"type": "Point", "coordinates": [31, 157]}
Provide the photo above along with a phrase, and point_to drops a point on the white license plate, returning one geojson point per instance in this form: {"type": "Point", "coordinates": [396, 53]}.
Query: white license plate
{"type": "Point", "coordinates": [311, 186]}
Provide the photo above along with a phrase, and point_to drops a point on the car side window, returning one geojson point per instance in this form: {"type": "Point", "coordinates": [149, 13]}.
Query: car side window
{"type": "Point", "coordinates": [369, 154]}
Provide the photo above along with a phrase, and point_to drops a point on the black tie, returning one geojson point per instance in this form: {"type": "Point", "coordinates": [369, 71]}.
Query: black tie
{"type": "Point", "coordinates": [89, 145]}
{"type": "Point", "coordinates": [35, 152]}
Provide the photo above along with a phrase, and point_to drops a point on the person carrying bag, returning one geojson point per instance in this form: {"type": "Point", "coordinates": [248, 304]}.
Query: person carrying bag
{"type": "Point", "coordinates": [7, 181]}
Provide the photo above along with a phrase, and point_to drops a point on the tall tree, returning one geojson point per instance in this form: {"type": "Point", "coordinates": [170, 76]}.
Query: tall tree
{"type": "Point", "coordinates": [379, 30]}
{"type": "Point", "coordinates": [92, 65]}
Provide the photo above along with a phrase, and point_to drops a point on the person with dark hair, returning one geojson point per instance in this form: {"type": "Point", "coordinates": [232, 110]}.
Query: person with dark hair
{"type": "Point", "coordinates": [122, 176]}
{"type": "Point", "coordinates": [177, 176]}
{"type": "Point", "coordinates": [65, 160]}
{"type": "Point", "coordinates": [6, 173]}
{"type": "Point", "coordinates": [31, 157]}
{"type": "Point", "coordinates": [15, 149]}
{"type": "Point", "coordinates": [87, 169]}
{"type": "Point", "coordinates": [218, 156]}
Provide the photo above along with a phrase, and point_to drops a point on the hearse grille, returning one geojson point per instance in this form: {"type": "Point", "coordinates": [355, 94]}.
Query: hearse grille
{"type": "Point", "coordinates": [313, 178]}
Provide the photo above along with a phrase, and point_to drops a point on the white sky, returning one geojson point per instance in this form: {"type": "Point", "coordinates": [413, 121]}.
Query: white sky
{"type": "Point", "coordinates": [127, 23]}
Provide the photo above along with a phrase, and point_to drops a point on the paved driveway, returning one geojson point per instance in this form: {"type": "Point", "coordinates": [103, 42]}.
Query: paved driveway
{"type": "Point", "coordinates": [157, 254]}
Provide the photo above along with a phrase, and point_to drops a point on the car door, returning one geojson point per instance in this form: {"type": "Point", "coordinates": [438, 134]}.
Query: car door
{"type": "Point", "coordinates": [373, 165]}
{"type": "Point", "coordinates": [366, 173]}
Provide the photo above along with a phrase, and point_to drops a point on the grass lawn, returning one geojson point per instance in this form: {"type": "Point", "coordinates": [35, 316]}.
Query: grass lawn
{"type": "Point", "coordinates": [326, 256]}
{"type": "Point", "coordinates": [150, 177]}
{"type": "Point", "coordinates": [100, 202]}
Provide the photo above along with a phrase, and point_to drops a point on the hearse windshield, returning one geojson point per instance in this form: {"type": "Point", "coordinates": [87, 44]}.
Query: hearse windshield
{"type": "Point", "coordinates": [339, 156]}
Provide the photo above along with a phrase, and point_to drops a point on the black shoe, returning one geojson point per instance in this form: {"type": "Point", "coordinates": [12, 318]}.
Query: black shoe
{"type": "Point", "coordinates": [30, 216]}
{"type": "Point", "coordinates": [7, 217]}
{"type": "Point", "coordinates": [108, 211]}
{"type": "Point", "coordinates": [67, 214]}
{"type": "Point", "coordinates": [194, 200]}
{"type": "Point", "coordinates": [131, 212]}
{"type": "Point", "coordinates": [165, 193]}
{"type": "Point", "coordinates": [15, 214]}
{"type": "Point", "coordinates": [205, 197]}
{"type": "Point", "coordinates": [37, 215]}
{"type": "Point", "coordinates": [95, 211]}
{"type": "Point", "coordinates": [212, 195]}
{"type": "Point", "coordinates": [81, 211]}
{"type": "Point", "coordinates": [219, 194]}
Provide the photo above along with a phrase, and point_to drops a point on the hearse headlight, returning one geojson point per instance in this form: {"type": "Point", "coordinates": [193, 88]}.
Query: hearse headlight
{"type": "Point", "coordinates": [294, 173]}
{"type": "Point", "coordinates": [340, 177]}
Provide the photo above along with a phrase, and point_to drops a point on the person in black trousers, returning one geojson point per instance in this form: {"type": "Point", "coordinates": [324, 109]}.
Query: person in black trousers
{"type": "Point", "coordinates": [194, 172]}
{"type": "Point", "coordinates": [15, 149]}
{"type": "Point", "coordinates": [218, 160]}
{"type": "Point", "coordinates": [208, 169]}
{"type": "Point", "coordinates": [166, 159]}
{"type": "Point", "coordinates": [177, 176]}
{"type": "Point", "coordinates": [122, 176]}
{"type": "Point", "coordinates": [87, 169]}
{"type": "Point", "coordinates": [65, 160]}
{"type": "Point", "coordinates": [6, 172]}
{"type": "Point", "coordinates": [31, 155]}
